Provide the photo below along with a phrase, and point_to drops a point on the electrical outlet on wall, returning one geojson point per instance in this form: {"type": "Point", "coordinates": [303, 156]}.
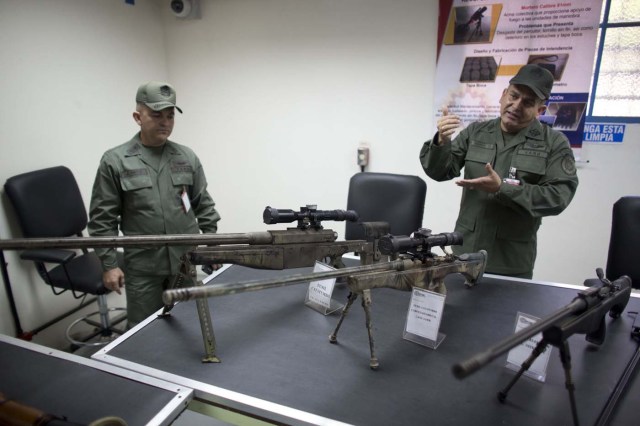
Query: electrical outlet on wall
{"type": "Point", "coordinates": [363, 156]}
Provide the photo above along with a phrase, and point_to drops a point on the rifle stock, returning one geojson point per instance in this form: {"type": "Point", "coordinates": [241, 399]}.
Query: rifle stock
{"type": "Point", "coordinates": [430, 274]}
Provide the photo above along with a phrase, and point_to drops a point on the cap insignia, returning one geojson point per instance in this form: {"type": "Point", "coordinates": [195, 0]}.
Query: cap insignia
{"type": "Point", "coordinates": [165, 91]}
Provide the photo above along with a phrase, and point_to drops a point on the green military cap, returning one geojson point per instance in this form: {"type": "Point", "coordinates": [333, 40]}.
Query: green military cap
{"type": "Point", "coordinates": [157, 95]}
{"type": "Point", "coordinates": [538, 79]}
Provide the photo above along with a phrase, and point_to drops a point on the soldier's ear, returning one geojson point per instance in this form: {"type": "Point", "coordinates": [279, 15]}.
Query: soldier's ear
{"type": "Point", "coordinates": [541, 109]}
{"type": "Point", "coordinates": [136, 117]}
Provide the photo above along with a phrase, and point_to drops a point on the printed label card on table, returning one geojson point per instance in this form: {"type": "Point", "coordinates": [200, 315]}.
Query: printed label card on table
{"type": "Point", "coordinates": [519, 354]}
{"type": "Point", "coordinates": [319, 294]}
{"type": "Point", "coordinates": [423, 318]}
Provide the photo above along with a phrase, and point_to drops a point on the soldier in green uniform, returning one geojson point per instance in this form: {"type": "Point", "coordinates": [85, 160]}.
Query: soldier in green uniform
{"type": "Point", "coordinates": [516, 171]}
{"type": "Point", "coordinates": [149, 186]}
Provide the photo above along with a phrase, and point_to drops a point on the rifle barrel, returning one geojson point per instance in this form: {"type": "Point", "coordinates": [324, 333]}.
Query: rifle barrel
{"type": "Point", "coordinates": [200, 292]}
{"type": "Point", "coordinates": [471, 365]}
{"type": "Point", "coordinates": [136, 241]}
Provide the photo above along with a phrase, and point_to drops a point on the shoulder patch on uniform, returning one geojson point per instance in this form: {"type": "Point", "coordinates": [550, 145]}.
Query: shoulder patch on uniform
{"type": "Point", "coordinates": [569, 165]}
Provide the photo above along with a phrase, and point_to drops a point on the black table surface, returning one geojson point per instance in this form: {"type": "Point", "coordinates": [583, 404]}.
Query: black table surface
{"type": "Point", "coordinates": [276, 349]}
{"type": "Point", "coordinates": [81, 390]}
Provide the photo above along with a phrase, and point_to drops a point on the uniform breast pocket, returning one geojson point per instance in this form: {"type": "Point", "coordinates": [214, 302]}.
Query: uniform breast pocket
{"type": "Point", "coordinates": [182, 179]}
{"type": "Point", "coordinates": [529, 168]}
{"type": "Point", "coordinates": [132, 180]}
{"type": "Point", "coordinates": [477, 156]}
{"type": "Point", "coordinates": [137, 186]}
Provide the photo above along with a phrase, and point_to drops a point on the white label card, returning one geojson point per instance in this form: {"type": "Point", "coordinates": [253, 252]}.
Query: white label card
{"type": "Point", "coordinates": [320, 291]}
{"type": "Point", "coordinates": [520, 353]}
{"type": "Point", "coordinates": [425, 313]}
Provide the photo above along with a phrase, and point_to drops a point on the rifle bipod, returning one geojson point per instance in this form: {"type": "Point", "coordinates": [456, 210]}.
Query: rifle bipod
{"type": "Point", "coordinates": [366, 305]}
{"type": "Point", "coordinates": [565, 358]}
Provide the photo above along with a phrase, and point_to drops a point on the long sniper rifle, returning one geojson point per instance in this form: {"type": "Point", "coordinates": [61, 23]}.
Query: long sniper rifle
{"type": "Point", "coordinates": [309, 230]}
{"type": "Point", "coordinates": [295, 247]}
{"type": "Point", "coordinates": [281, 249]}
{"type": "Point", "coordinates": [414, 266]}
{"type": "Point", "coordinates": [584, 315]}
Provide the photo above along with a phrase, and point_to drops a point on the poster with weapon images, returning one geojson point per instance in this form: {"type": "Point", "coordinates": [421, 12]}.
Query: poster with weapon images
{"type": "Point", "coordinates": [484, 45]}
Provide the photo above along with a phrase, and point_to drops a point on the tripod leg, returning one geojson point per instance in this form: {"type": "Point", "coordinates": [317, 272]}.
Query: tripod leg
{"type": "Point", "coordinates": [333, 338]}
{"type": "Point", "coordinates": [565, 357]}
{"type": "Point", "coordinates": [539, 349]}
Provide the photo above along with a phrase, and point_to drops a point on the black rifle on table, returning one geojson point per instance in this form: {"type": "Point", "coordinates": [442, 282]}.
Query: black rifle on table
{"type": "Point", "coordinates": [584, 315]}
{"type": "Point", "coordinates": [413, 265]}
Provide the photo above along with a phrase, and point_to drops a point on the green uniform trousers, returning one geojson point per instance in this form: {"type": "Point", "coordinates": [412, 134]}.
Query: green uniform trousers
{"type": "Point", "coordinates": [144, 295]}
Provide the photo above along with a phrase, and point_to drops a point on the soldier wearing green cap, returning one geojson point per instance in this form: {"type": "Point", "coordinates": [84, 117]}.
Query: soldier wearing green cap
{"type": "Point", "coordinates": [149, 186]}
{"type": "Point", "coordinates": [516, 171]}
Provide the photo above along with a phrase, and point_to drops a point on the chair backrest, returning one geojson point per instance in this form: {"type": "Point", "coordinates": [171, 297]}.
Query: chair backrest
{"type": "Point", "coordinates": [386, 197]}
{"type": "Point", "coordinates": [624, 244]}
{"type": "Point", "coordinates": [47, 202]}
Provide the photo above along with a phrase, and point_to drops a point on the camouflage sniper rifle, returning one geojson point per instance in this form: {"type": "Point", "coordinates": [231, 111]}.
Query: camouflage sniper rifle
{"type": "Point", "coordinates": [291, 248]}
{"type": "Point", "coordinates": [584, 315]}
{"type": "Point", "coordinates": [414, 265]}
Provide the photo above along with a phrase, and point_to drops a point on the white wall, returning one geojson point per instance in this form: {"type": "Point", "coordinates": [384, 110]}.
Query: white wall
{"type": "Point", "coordinates": [277, 95]}
{"type": "Point", "coordinates": [70, 69]}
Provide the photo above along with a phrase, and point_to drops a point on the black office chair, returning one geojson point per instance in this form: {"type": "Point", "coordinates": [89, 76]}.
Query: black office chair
{"type": "Point", "coordinates": [48, 204]}
{"type": "Point", "coordinates": [624, 243]}
{"type": "Point", "coordinates": [386, 197]}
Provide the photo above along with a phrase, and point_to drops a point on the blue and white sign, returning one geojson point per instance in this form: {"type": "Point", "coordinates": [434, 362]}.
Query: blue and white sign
{"type": "Point", "coordinates": [604, 132]}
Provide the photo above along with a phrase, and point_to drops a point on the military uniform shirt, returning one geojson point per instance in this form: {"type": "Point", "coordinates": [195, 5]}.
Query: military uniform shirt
{"type": "Point", "coordinates": [139, 196]}
{"type": "Point", "coordinates": [505, 223]}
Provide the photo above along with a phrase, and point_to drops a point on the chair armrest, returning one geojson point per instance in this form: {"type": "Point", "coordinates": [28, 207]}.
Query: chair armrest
{"type": "Point", "coordinates": [52, 256]}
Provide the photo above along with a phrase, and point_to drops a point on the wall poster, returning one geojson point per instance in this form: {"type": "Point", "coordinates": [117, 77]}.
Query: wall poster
{"type": "Point", "coordinates": [484, 44]}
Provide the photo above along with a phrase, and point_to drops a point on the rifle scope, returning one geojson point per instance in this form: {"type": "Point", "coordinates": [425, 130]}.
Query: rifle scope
{"type": "Point", "coordinates": [306, 214]}
{"type": "Point", "coordinates": [421, 240]}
